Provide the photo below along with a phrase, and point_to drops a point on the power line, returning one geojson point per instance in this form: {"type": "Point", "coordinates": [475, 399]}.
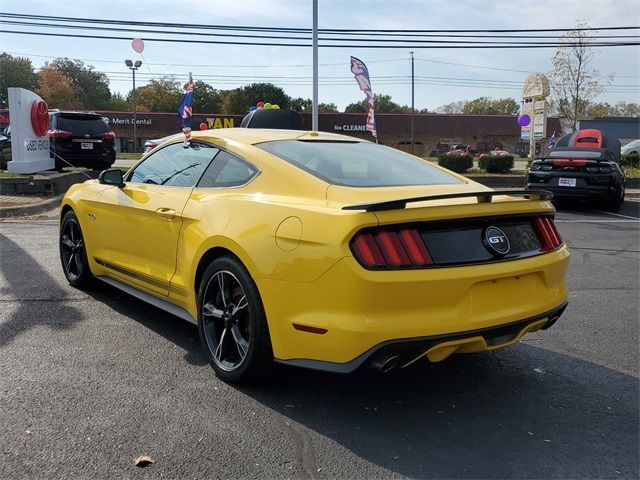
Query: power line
{"type": "Point", "coordinates": [219, 42]}
{"type": "Point", "coordinates": [300, 30]}
{"type": "Point", "coordinates": [138, 31]}
{"type": "Point", "coordinates": [305, 65]}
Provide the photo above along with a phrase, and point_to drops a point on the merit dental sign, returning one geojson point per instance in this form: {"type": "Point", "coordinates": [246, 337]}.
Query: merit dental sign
{"type": "Point", "coordinates": [29, 132]}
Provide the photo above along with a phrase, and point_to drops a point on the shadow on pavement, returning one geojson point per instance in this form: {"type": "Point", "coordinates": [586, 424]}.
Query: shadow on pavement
{"type": "Point", "coordinates": [174, 329]}
{"type": "Point", "coordinates": [523, 412]}
{"type": "Point", "coordinates": [520, 412]}
{"type": "Point", "coordinates": [19, 270]}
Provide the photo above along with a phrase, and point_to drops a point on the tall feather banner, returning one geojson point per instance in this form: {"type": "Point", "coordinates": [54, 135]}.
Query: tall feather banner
{"type": "Point", "coordinates": [185, 111]}
{"type": "Point", "coordinates": [361, 74]}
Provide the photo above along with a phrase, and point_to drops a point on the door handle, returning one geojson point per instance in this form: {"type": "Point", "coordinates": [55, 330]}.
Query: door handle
{"type": "Point", "coordinates": [166, 213]}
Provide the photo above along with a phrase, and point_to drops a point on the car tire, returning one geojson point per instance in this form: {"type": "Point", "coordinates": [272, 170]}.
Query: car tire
{"type": "Point", "coordinates": [232, 323]}
{"type": "Point", "coordinates": [613, 204]}
{"type": "Point", "coordinates": [73, 252]}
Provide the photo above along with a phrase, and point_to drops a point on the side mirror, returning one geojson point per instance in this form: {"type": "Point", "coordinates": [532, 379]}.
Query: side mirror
{"type": "Point", "coordinates": [113, 176]}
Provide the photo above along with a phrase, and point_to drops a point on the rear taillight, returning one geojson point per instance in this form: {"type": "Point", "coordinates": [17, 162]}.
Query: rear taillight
{"type": "Point", "coordinates": [402, 248]}
{"type": "Point", "coordinates": [108, 136]}
{"type": "Point", "coordinates": [547, 233]}
{"type": "Point", "coordinates": [60, 134]}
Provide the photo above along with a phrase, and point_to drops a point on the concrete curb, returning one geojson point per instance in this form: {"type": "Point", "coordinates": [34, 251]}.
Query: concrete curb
{"type": "Point", "coordinates": [31, 209]}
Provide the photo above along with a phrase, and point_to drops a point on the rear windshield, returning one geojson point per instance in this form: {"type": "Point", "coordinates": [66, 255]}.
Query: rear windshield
{"type": "Point", "coordinates": [82, 124]}
{"type": "Point", "coordinates": [357, 164]}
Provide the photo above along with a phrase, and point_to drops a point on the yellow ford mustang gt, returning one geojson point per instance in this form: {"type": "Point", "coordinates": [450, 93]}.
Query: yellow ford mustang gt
{"type": "Point", "coordinates": [318, 250]}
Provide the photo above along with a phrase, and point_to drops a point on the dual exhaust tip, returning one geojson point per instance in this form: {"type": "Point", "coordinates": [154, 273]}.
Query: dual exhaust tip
{"type": "Point", "coordinates": [385, 362]}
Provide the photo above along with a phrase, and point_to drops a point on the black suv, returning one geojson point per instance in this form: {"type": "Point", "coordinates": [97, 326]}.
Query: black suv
{"type": "Point", "coordinates": [584, 165]}
{"type": "Point", "coordinates": [81, 139]}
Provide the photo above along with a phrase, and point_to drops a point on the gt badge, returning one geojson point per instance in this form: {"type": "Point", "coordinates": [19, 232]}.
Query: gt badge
{"type": "Point", "coordinates": [496, 241]}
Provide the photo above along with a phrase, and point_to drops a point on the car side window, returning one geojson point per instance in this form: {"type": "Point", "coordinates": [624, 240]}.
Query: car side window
{"type": "Point", "coordinates": [227, 170]}
{"type": "Point", "coordinates": [174, 165]}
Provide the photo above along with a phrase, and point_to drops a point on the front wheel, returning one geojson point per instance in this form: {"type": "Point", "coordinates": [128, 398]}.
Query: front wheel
{"type": "Point", "coordinates": [73, 252]}
{"type": "Point", "coordinates": [232, 323]}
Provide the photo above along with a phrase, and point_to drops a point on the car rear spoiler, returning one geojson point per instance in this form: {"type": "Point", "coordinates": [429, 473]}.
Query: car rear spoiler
{"type": "Point", "coordinates": [483, 197]}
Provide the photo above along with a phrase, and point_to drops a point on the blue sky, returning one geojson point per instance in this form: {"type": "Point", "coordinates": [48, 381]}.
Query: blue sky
{"type": "Point", "coordinates": [228, 66]}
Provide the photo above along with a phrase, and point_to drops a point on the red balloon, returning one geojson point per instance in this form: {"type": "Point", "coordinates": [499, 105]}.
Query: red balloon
{"type": "Point", "coordinates": [260, 104]}
{"type": "Point", "coordinates": [137, 44]}
{"type": "Point", "coordinates": [204, 126]}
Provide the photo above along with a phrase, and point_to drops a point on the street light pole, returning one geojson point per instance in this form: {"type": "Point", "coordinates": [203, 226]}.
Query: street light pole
{"type": "Point", "coordinates": [133, 67]}
{"type": "Point", "coordinates": [314, 107]}
{"type": "Point", "coordinates": [412, 104]}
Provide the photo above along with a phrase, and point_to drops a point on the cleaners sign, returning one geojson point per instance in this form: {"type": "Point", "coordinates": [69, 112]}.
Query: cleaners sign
{"type": "Point", "coordinates": [29, 132]}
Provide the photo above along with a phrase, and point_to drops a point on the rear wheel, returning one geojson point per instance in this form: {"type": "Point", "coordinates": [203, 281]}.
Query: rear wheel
{"type": "Point", "coordinates": [613, 204]}
{"type": "Point", "coordinates": [73, 253]}
{"type": "Point", "coordinates": [232, 323]}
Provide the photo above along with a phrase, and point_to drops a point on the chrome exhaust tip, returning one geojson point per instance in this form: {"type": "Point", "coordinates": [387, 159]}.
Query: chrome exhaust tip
{"type": "Point", "coordinates": [385, 362]}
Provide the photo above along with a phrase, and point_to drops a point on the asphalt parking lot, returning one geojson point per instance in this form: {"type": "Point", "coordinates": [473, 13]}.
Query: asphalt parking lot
{"type": "Point", "coordinates": [91, 380]}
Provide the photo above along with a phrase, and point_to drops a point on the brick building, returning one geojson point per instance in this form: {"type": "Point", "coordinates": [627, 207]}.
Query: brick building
{"type": "Point", "coordinates": [433, 132]}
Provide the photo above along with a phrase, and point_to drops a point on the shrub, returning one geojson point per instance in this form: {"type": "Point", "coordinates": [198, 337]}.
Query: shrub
{"type": "Point", "coordinates": [456, 163]}
{"type": "Point", "coordinates": [496, 163]}
{"type": "Point", "coordinates": [632, 159]}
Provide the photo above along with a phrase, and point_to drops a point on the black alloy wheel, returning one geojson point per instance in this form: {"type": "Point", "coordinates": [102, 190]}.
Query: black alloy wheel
{"type": "Point", "coordinates": [73, 253]}
{"type": "Point", "coordinates": [232, 323]}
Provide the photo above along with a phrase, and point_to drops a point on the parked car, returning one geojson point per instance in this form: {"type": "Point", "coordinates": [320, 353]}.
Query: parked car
{"type": "Point", "coordinates": [459, 150]}
{"type": "Point", "coordinates": [151, 144]}
{"type": "Point", "coordinates": [317, 250]}
{"type": "Point", "coordinates": [495, 153]}
{"type": "Point", "coordinates": [584, 165]}
{"type": "Point", "coordinates": [633, 146]}
{"type": "Point", "coordinates": [81, 139]}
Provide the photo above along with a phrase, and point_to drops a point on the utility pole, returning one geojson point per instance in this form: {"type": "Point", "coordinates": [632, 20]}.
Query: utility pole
{"type": "Point", "coordinates": [314, 111]}
{"type": "Point", "coordinates": [133, 67]}
{"type": "Point", "coordinates": [412, 104]}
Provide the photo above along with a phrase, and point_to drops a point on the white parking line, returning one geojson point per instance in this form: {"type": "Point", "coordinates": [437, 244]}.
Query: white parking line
{"type": "Point", "coordinates": [637, 220]}
{"type": "Point", "coordinates": [617, 215]}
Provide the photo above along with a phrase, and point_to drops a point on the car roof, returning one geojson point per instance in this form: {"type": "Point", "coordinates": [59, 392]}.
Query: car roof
{"type": "Point", "coordinates": [254, 136]}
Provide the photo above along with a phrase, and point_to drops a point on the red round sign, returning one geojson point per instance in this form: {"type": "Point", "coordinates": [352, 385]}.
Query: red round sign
{"type": "Point", "coordinates": [40, 118]}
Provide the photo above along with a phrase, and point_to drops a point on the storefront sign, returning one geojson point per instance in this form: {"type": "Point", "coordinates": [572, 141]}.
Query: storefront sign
{"type": "Point", "coordinates": [221, 122]}
{"type": "Point", "coordinates": [124, 121]}
{"type": "Point", "coordinates": [29, 132]}
{"type": "Point", "coordinates": [350, 128]}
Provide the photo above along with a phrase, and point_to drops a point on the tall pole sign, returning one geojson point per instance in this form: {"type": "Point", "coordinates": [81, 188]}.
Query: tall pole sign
{"type": "Point", "coordinates": [534, 96]}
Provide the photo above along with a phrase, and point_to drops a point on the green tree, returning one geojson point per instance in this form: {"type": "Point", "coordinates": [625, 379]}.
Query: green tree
{"type": "Point", "coordinates": [488, 106]}
{"type": "Point", "coordinates": [327, 108]}
{"type": "Point", "coordinates": [573, 84]}
{"type": "Point", "coordinates": [163, 95]}
{"type": "Point", "coordinates": [15, 72]}
{"type": "Point", "coordinates": [206, 99]}
{"type": "Point", "coordinates": [300, 104]}
{"type": "Point", "coordinates": [58, 90]}
{"type": "Point", "coordinates": [451, 108]}
{"type": "Point", "coordinates": [117, 102]}
{"type": "Point", "coordinates": [625, 109]}
{"type": "Point", "coordinates": [93, 86]}
{"type": "Point", "coordinates": [601, 110]}
{"type": "Point", "coordinates": [240, 100]}
{"type": "Point", "coordinates": [506, 106]}
{"type": "Point", "coordinates": [360, 107]}
{"type": "Point", "coordinates": [382, 104]}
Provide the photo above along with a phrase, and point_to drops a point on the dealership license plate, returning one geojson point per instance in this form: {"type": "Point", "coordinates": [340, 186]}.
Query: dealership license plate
{"type": "Point", "coordinates": [86, 146]}
{"type": "Point", "coordinates": [567, 182]}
